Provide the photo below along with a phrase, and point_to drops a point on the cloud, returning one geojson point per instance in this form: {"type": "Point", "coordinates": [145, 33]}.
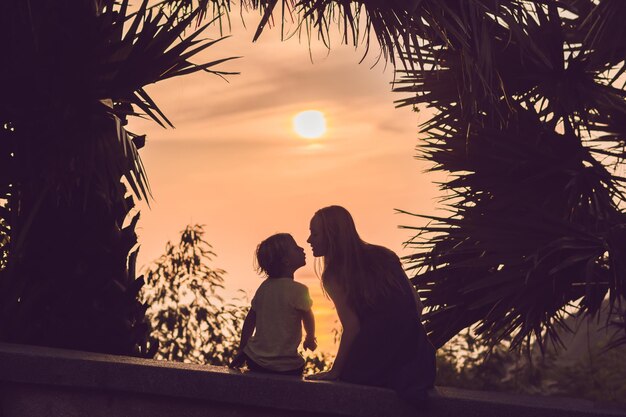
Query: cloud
{"type": "Point", "coordinates": [274, 75]}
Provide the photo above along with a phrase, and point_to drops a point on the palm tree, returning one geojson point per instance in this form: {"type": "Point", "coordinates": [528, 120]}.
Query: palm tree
{"type": "Point", "coordinates": [529, 121]}
{"type": "Point", "coordinates": [69, 170]}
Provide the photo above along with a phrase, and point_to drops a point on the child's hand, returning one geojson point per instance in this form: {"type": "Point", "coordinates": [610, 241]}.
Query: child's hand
{"type": "Point", "coordinates": [237, 361]}
{"type": "Point", "coordinates": [310, 343]}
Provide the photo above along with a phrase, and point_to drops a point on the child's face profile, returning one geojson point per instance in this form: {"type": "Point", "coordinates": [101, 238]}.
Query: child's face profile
{"type": "Point", "coordinates": [294, 255]}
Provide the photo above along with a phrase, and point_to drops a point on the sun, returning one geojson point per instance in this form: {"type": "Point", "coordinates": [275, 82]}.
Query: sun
{"type": "Point", "coordinates": [309, 124]}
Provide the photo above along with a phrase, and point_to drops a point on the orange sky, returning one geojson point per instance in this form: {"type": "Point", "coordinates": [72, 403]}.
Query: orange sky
{"type": "Point", "coordinates": [234, 164]}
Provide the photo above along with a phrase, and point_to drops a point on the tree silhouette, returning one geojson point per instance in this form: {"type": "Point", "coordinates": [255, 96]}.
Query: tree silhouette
{"type": "Point", "coordinates": [4, 243]}
{"type": "Point", "coordinates": [189, 317]}
{"type": "Point", "coordinates": [585, 370]}
{"type": "Point", "coordinates": [72, 72]}
{"type": "Point", "coordinates": [529, 121]}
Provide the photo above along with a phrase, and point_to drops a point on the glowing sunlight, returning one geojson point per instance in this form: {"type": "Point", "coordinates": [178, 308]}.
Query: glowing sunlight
{"type": "Point", "coordinates": [309, 124]}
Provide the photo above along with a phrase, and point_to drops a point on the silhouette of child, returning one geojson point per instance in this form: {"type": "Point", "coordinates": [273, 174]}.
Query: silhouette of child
{"type": "Point", "coordinates": [278, 308]}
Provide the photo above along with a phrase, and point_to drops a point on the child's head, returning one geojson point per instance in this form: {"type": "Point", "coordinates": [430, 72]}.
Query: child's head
{"type": "Point", "coordinates": [279, 255]}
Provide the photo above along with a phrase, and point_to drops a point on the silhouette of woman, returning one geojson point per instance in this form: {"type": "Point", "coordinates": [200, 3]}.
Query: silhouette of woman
{"type": "Point", "coordinates": [383, 341]}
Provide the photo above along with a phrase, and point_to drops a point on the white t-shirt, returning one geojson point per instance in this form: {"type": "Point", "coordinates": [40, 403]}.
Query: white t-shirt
{"type": "Point", "coordinates": [278, 303]}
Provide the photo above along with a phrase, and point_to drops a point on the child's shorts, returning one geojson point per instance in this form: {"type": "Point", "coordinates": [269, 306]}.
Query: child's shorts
{"type": "Point", "coordinates": [255, 367]}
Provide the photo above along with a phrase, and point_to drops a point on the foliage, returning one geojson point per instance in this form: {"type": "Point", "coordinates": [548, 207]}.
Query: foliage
{"type": "Point", "coordinates": [189, 318]}
{"type": "Point", "coordinates": [467, 362]}
{"type": "Point", "coordinates": [590, 372]}
{"type": "Point", "coordinates": [69, 170]}
{"type": "Point", "coordinates": [599, 378]}
{"type": "Point", "coordinates": [528, 120]}
{"type": "Point", "coordinates": [4, 243]}
{"type": "Point", "coordinates": [387, 21]}
{"type": "Point", "coordinates": [316, 362]}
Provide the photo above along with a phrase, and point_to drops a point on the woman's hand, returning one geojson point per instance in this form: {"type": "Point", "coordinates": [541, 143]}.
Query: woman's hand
{"type": "Point", "coordinates": [323, 376]}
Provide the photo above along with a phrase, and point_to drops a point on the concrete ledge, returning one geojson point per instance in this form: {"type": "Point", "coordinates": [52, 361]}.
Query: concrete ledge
{"type": "Point", "coordinates": [39, 381]}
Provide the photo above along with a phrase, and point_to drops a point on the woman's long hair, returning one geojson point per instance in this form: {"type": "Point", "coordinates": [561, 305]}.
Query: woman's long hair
{"type": "Point", "coordinates": [365, 272]}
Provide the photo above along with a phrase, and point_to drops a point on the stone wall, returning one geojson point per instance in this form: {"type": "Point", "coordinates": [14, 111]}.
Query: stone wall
{"type": "Point", "coordinates": [44, 382]}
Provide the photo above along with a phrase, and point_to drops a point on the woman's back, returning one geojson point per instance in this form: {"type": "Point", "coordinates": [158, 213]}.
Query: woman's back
{"type": "Point", "coordinates": [394, 293]}
{"type": "Point", "coordinates": [392, 348]}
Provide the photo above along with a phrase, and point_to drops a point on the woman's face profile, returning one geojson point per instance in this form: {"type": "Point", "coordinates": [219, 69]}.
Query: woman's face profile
{"type": "Point", "coordinates": [317, 239]}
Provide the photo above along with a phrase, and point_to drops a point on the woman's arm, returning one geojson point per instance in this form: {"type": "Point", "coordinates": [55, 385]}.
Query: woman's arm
{"type": "Point", "coordinates": [351, 327]}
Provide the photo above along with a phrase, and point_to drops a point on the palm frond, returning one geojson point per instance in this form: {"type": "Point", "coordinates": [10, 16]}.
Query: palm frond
{"type": "Point", "coordinates": [534, 214]}
{"type": "Point", "coordinates": [78, 71]}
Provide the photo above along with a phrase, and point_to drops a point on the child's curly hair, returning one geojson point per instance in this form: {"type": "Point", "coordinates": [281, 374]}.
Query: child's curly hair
{"type": "Point", "coordinates": [269, 254]}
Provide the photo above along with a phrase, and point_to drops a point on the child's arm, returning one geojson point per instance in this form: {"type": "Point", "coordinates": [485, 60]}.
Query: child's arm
{"type": "Point", "coordinates": [246, 332]}
{"type": "Point", "coordinates": [248, 328]}
{"type": "Point", "coordinates": [310, 342]}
